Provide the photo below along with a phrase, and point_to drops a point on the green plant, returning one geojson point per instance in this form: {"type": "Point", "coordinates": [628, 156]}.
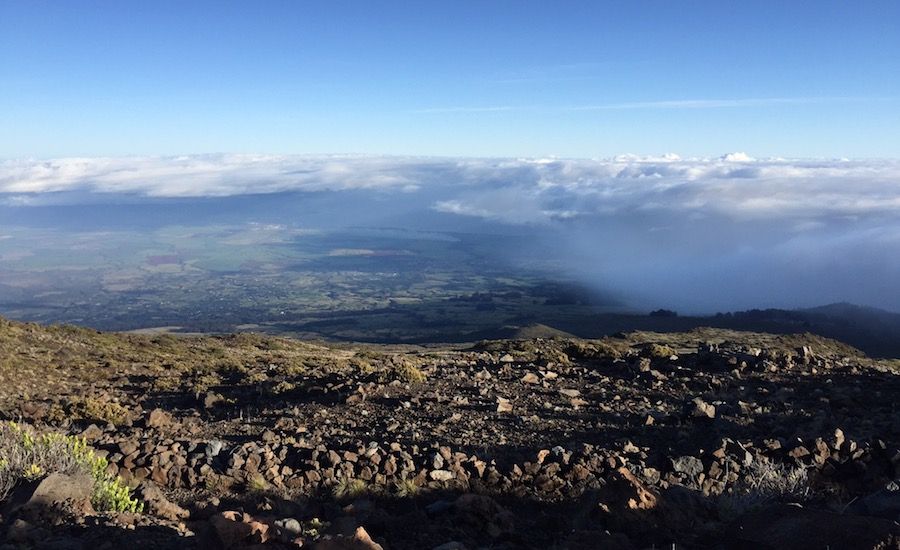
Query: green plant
{"type": "Point", "coordinates": [27, 455]}
{"type": "Point", "coordinates": [164, 340]}
{"type": "Point", "coordinates": [257, 484]}
{"type": "Point", "coordinates": [92, 408]}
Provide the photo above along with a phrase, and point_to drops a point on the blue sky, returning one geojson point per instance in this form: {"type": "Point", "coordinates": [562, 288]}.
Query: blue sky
{"type": "Point", "coordinates": [489, 78]}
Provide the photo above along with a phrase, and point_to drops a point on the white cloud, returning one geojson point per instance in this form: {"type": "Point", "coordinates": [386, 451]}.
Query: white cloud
{"type": "Point", "coordinates": [738, 157]}
{"type": "Point", "coordinates": [456, 207]}
{"type": "Point", "coordinates": [201, 175]}
{"type": "Point", "coordinates": [697, 233]}
{"type": "Point", "coordinates": [510, 190]}
{"type": "Point", "coordinates": [734, 185]}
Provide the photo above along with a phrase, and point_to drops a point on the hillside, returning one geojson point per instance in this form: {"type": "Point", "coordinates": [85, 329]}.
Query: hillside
{"type": "Point", "coordinates": [701, 439]}
{"type": "Point", "coordinates": [875, 331]}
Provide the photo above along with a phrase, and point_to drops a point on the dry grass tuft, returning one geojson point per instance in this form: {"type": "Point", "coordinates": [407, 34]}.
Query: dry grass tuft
{"type": "Point", "coordinates": [764, 481]}
{"type": "Point", "coordinates": [348, 488]}
{"type": "Point", "coordinates": [405, 488]}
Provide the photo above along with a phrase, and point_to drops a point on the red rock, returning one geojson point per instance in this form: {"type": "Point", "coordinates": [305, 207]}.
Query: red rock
{"type": "Point", "coordinates": [624, 493]}
{"type": "Point", "coordinates": [50, 496]}
{"type": "Point", "coordinates": [259, 531]}
{"type": "Point", "coordinates": [158, 418]}
{"type": "Point", "coordinates": [798, 452]}
{"type": "Point", "coordinates": [230, 529]}
{"type": "Point", "coordinates": [359, 541]}
{"type": "Point", "coordinates": [158, 504]}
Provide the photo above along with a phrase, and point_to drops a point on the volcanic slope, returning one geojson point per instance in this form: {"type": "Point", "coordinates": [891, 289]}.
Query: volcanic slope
{"type": "Point", "coordinates": [705, 439]}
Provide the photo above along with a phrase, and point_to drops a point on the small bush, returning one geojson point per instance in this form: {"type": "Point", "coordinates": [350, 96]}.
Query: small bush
{"type": "Point", "coordinates": [592, 351]}
{"type": "Point", "coordinates": [403, 370]}
{"type": "Point", "coordinates": [405, 488]}
{"type": "Point", "coordinates": [167, 383]}
{"type": "Point", "coordinates": [350, 488]}
{"type": "Point", "coordinates": [767, 477]}
{"type": "Point", "coordinates": [202, 382]}
{"type": "Point", "coordinates": [360, 364]}
{"type": "Point", "coordinates": [27, 455]}
{"type": "Point", "coordinates": [763, 481]}
{"type": "Point", "coordinates": [283, 387]}
{"type": "Point", "coordinates": [658, 351]}
{"type": "Point", "coordinates": [165, 341]}
{"type": "Point", "coordinates": [313, 528]}
{"type": "Point", "coordinates": [293, 368]}
{"type": "Point", "coordinates": [257, 484]}
{"type": "Point", "coordinates": [410, 373]}
{"type": "Point", "coordinates": [91, 408]}
{"type": "Point", "coordinates": [255, 378]}
{"type": "Point", "coordinates": [216, 484]}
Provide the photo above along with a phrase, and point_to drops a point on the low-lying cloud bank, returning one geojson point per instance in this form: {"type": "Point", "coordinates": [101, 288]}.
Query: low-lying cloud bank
{"type": "Point", "coordinates": [698, 233]}
{"type": "Point", "coordinates": [510, 190]}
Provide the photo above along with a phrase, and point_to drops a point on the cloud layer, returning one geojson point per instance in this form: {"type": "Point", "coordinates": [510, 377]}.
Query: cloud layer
{"type": "Point", "coordinates": [510, 190]}
{"type": "Point", "coordinates": [200, 175]}
{"type": "Point", "coordinates": [699, 233]}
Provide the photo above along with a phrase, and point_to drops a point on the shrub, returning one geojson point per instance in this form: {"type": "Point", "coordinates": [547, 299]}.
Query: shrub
{"type": "Point", "coordinates": [658, 351]}
{"type": "Point", "coordinates": [761, 482]}
{"type": "Point", "coordinates": [293, 368]}
{"type": "Point", "coordinates": [283, 387]}
{"type": "Point", "coordinates": [410, 373]}
{"type": "Point", "coordinates": [25, 455]}
{"type": "Point", "coordinates": [215, 484]}
{"type": "Point", "coordinates": [257, 484]}
{"type": "Point", "coordinates": [774, 479]}
{"type": "Point", "coordinates": [91, 408]}
{"type": "Point", "coordinates": [255, 378]}
{"type": "Point", "coordinates": [360, 364]}
{"type": "Point", "coordinates": [313, 528]}
{"type": "Point", "coordinates": [406, 488]}
{"type": "Point", "coordinates": [350, 488]}
{"type": "Point", "coordinates": [591, 351]}
{"type": "Point", "coordinates": [401, 369]}
{"type": "Point", "coordinates": [202, 382]}
{"type": "Point", "coordinates": [167, 383]}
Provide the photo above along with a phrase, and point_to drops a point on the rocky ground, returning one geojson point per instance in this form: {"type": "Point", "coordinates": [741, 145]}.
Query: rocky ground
{"type": "Point", "coordinates": [707, 439]}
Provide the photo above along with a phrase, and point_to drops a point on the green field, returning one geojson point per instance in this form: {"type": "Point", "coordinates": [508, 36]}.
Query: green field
{"type": "Point", "coordinates": [358, 284]}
